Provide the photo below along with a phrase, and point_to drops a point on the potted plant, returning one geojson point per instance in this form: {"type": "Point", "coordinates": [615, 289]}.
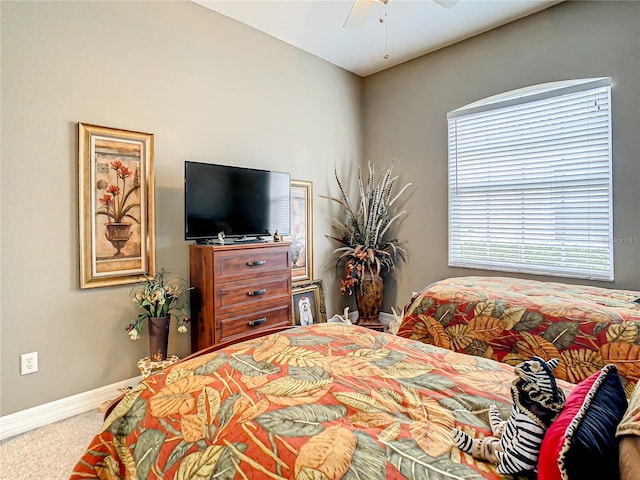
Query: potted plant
{"type": "Point", "coordinates": [368, 248]}
{"type": "Point", "coordinates": [160, 299]}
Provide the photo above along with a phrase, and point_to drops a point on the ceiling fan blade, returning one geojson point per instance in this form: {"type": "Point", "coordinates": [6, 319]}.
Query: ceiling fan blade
{"type": "Point", "coordinates": [446, 3]}
{"type": "Point", "coordinates": [358, 14]}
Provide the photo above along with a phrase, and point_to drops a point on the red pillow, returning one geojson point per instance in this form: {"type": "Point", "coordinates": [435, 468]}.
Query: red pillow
{"type": "Point", "coordinates": [581, 442]}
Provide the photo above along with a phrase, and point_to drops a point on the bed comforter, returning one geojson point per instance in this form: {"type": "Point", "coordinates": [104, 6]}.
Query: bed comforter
{"type": "Point", "coordinates": [325, 401]}
{"type": "Point", "coordinates": [510, 320]}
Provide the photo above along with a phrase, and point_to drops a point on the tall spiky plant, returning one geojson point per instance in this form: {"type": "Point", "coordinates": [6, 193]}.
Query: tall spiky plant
{"type": "Point", "coordinates": [364, 235]}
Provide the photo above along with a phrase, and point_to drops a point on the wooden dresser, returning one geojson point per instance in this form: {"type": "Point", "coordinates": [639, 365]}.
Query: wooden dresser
{"type": "Point", "coordinates": [237, 290]}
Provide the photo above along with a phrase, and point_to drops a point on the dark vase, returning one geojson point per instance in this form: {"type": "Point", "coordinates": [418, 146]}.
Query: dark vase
{"type": "Point", "coordinates": [158, 337]}
{"type": "Point", "coordinates": [369, 298]}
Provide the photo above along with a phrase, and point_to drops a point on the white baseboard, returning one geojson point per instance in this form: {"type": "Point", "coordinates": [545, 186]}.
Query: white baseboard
{"type": "Point", "coordinates": [25, 420]}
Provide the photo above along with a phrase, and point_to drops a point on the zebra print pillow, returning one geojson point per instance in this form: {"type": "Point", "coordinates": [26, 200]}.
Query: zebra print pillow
{"type": "Point", "coordinates": [581, 442]}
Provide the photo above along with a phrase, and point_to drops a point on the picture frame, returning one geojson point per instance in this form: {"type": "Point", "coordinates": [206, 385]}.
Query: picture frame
{"type": "Point", "coordinates": [301, 236]}
{"type": "Point", "coordinates": [116, 206]}
{"type": "Point", "coordinates": [308, 305]}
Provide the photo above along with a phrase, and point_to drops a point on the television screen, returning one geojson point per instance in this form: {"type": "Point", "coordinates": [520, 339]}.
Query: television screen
{"type": "Point", "coordinates": [241, 202]}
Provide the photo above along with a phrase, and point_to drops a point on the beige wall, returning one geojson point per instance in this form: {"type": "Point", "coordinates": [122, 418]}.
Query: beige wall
{"type": "Point", "coordinates": [209, 88]}
{"type": "Point", "coordinates": [405, 111]}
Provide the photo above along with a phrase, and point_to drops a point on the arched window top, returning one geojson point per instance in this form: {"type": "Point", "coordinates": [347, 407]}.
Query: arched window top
{"type": "Point", "coordinates": [531, 94]}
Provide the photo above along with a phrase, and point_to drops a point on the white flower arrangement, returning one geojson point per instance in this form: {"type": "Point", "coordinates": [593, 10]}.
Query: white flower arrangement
{"type": "Point", "coordinates": [159, 297]}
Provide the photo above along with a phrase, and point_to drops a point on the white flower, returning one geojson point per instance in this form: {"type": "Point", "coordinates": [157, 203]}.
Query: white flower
{"type": "Point", "coordinates": [158, 297]}
{"type": "Point", "coordinates": [133, 334]}
{"type": "Point", "coordinates": [174, 291]}
{"type": "Point", "coordinates": [182, 329]}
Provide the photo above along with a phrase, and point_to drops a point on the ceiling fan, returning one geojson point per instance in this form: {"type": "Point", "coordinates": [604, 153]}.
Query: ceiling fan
{"type": "Point", "coordinates": [361, 9]}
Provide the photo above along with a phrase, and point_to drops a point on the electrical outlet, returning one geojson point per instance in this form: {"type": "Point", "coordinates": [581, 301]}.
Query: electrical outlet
{"type": "Point", "coordinates": [28, 363]}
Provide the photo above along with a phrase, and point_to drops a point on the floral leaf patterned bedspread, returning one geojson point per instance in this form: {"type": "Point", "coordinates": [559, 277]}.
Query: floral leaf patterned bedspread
{"type": "Point", "coordinates": [511, 320]}
{"type": "Point", "coordinates": [326, 401]}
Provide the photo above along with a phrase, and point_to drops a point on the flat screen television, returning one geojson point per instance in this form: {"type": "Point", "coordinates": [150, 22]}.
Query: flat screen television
{"type": "Point", "coordinates": [243, 203]}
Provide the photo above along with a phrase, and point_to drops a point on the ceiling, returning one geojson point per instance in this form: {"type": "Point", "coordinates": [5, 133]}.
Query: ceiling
{"type": "Point", "coordinates": [414, 27]}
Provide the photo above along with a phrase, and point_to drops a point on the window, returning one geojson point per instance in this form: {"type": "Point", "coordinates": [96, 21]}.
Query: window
{"type": "Point", "coordinates": [530, 181]}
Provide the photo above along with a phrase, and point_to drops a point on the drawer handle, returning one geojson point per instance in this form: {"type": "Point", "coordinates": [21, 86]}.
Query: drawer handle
{"type": "Point", "coordinates": [253, 293]}
{"type": "Point", "coordinates": [254, 323]}
{"type": "Point", "coordinates": [255, 263]}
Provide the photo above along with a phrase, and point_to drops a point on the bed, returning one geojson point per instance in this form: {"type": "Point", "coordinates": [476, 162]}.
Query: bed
{"type": "Point", "coordinates": [509, 320]}
{"type": "Point", "coordinates": [323, 401]}
{"type": "Point", "coordinates": [332, 401]}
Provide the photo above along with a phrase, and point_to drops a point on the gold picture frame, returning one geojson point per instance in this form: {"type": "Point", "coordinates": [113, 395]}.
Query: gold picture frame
{"type": "Point", "coordinates": [116, 206]}
{"type": "Point", "coordinates": [301, 236]}
{"type": "Point", "coordinates": [308, 303]}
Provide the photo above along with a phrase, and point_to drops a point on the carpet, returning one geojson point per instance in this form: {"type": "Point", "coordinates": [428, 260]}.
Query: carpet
{"type": "Point", "coordinates": [49, 452]}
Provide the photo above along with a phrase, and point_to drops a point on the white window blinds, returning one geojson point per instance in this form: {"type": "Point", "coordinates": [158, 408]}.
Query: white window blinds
{"type": "Point", "coordinates": [530, 181]}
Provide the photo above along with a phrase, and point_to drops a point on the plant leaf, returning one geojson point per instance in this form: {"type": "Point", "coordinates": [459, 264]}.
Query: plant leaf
{"type": "Point", "coordinates": [127, 423]}
{"type": "Point", "coordinates": [199, 465]}
{"type": "Point", "coordinates": [146, 451]}
{"type": "Point", "coordinates": [562, 334]}
{"type": "Point", "coordinates": [300, 420]}
{"type": "Point", "coordinates": [369, 461]}
{"type": "Point", "coordinates": [326, 455]}
{"type": "Point", "coordinates": [410, 460]}
{"type": "Point", "coordinates": [246, 365]}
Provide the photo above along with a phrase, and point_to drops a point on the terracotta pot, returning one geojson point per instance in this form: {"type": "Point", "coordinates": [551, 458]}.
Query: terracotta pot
{"type": "Point", "coordinates": [369, 297]}
{"type": "Point", "coordinates": [158, 337]}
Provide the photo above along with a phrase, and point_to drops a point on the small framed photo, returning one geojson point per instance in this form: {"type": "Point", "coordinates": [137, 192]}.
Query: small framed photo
{"type": "Point", "coordinates": [308, 303]}
{"type": "Point", "coordinates": [116, 206]}
{"type": "Point", "coordinates": [301, 237]}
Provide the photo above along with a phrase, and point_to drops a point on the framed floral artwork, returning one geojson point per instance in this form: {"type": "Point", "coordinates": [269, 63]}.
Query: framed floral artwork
{"type": "Point", "coordinates": [308, 303]}
{"type": "Point", "coordinates": [116, 206]}
{"type": "Point", "coordinates": [301, 236]}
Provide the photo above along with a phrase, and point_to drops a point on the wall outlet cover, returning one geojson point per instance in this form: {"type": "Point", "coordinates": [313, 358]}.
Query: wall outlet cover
{"type": "Point", "coordinates": [28, 363]}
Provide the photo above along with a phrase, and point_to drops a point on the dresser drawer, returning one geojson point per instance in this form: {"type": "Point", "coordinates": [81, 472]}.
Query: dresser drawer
{"type": "Point", "coordinates": [242, 324]}
{"type": "Point", "coordinates": [245, 294]}
{"type": "Point", "coordinates": [250, 263]}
